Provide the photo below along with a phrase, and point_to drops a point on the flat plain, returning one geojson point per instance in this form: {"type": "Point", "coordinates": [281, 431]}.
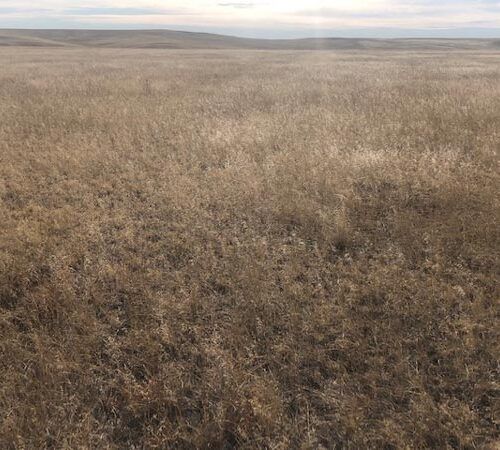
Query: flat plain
{"type": "Point", "coordinates": [253, 249]}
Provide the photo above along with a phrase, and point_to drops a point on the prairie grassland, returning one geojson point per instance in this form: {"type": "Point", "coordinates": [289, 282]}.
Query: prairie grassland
{"type": "Point", "coordinates": [248, 249]}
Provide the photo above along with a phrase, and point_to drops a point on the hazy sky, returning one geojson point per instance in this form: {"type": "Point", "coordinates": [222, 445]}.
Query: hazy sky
{"type": "Point", "coordinates": [264, 18]}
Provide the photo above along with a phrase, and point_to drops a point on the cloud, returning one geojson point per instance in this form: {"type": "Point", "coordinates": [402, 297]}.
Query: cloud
{"type": "Point", "coordinates": [110, 11]}
{"type": "Point", "coordinates": [14, 10]}
{"type": "Point", "coordinates": [407, 13]}
{"type": "Point", "coordinates": [279, 16]}
{"type": "Point", "coordinates": [240, 5]}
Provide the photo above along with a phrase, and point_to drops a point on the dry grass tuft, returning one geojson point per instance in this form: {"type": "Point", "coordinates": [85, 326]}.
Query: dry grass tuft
{"type": "Point", "coordinates": [248, 249]}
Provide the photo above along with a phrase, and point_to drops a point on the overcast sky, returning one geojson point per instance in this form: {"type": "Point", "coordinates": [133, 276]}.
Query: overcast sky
{"type": "Point", "coordinates": [265, 18]}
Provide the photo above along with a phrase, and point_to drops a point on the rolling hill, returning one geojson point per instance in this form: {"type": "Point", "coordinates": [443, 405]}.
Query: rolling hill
{"type": "Point", "coordinates": [167, 39]}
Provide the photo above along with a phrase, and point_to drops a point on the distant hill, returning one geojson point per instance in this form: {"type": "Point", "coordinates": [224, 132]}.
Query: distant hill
{"type": "Point", "coordinates": [168, 39]}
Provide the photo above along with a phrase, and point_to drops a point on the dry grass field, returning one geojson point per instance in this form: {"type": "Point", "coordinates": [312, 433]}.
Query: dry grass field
{"type": "Point", "coordinates": [226, 249]}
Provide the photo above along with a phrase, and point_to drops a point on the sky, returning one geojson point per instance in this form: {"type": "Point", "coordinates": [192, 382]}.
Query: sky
{"type": "Point", "coordinates": [265, 18]}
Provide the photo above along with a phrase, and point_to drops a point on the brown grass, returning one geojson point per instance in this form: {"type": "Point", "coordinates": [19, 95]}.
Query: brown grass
{"type": "Point", "coordinates": [254, 250]}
